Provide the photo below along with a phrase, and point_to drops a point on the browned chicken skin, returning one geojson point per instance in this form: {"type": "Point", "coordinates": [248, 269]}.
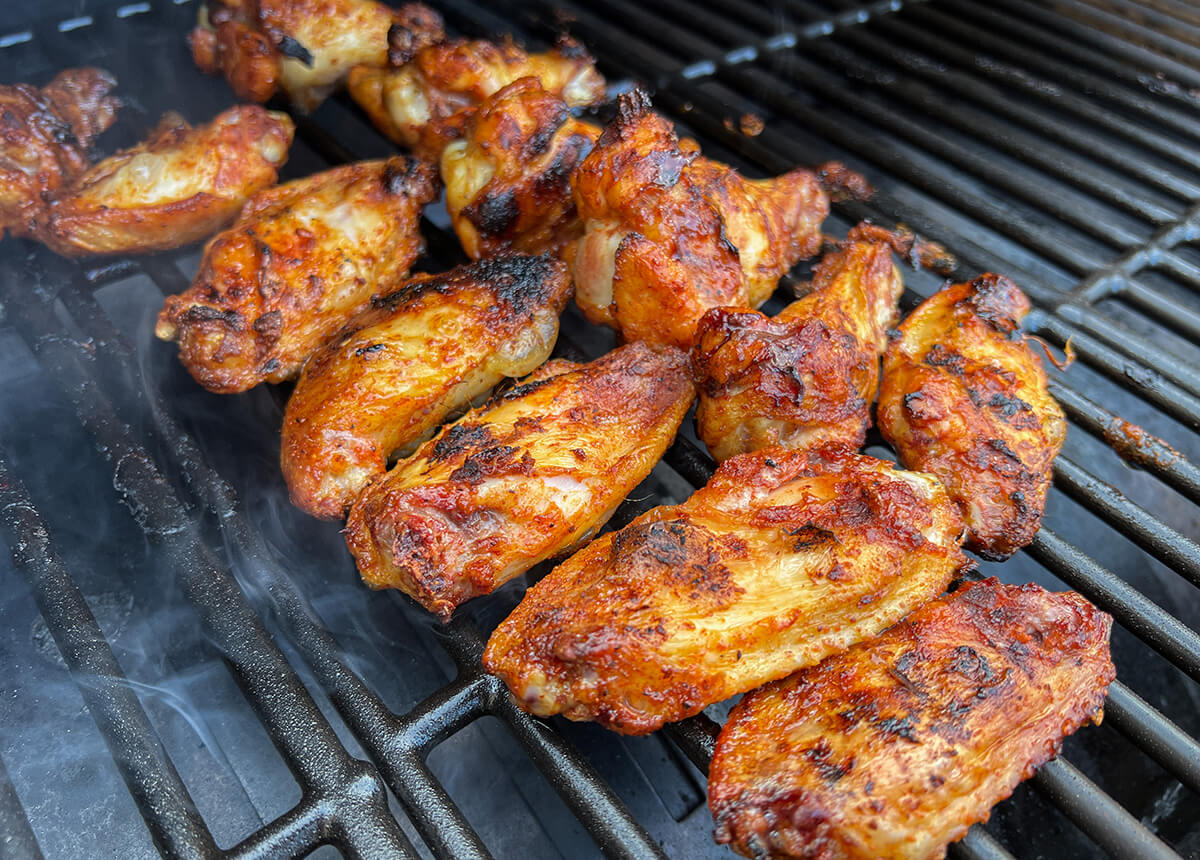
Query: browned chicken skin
{"type": "Point", "coordinates": [533, 474]}
{"type": "Point", "coordinates": [424, 100]}
{"type": "Point", "coordinates": [508, 180]}
{"type": "Point", "coordinates": [670, 234]}
{"type": "Point", "coordinates": [397, 370]}
{"type": "Point", "coordinates": [304, 47]}
{"type": "Point", "coordinates": [964, 397]}
{"type": "Point", "coordinates": [180, 186]}
{"type": "Point", "coordinates": [782, 559]}
{"type": "Point", "coordinates": [45, 135]}
{"type": "Point", "coordinates": [302, 259]}
{"type": "Point", "coordinates": [895, 747]}
{"type": "Point", "coordinates": [808, 376]}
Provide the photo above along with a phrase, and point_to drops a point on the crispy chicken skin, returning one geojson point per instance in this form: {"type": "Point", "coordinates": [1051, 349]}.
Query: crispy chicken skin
{"type": "Point", "coordinates": [670, 234]}
{"type": "Point", "coordinates": [300, 261]}
{"type": "Point", "coordinates": [895, 747]}
{"type": "Point", "coordinates": [180, 186]}
{"type": "Point", "coordinates": [808, 376]}
{"type": "Point", "coordinates": [533, 474]}
{"type": "Point", "coordinates": [424, 100]}
{"type": "Point", "coordinates": [782, 559]}
{"type": "Point", "coordinates": [964, 397]}
{"type": "Point", "coordinates": [397, 370]}
{"type": "Point", "coordinates": [45, 135]}
{"type": "Point", "coordinates": [304, 47]}
{"type": "Point", "coordinates": [508, 181]}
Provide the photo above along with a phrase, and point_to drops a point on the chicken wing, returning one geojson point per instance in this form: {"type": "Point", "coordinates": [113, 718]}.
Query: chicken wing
{"type": "Point", "coordinates": [45, 135]}
{"type": "Point", "coordinates": [894, 748]}
{"type": "Point", "coordinates": [964, 397]}
{"type": "Point", "coordinates": [808, 376]}
{"type": "Point", "coordinates": [670, 234]}
{"type": "Point", "coordinates": [782, 559]}
{"type": "Point", "coordinates": [508, 181]}
{"type": "Point", "coordinates": [180, 186]}
{"type": "Point", "coordinates": [300, 261]}
{"type": "Point", "coordinates": [424, 100]}
{"type": "Point", "coordinates": [397, 370]}
{"type": "Point", "coordinates": [304, 47]}
{"type": "Point", "coordinates": [535, 473]}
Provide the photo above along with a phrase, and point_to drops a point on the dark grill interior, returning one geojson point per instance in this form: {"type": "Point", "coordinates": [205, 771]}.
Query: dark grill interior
{"type": "Point", "coordinates": [183, 648]}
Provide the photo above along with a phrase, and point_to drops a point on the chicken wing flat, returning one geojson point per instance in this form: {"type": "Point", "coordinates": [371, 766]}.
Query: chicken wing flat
{"type": "Point", "coordinates": [301, 260]}
{"type": "Point", "coordinates": [670, 234]}
{"type": "Point", "coordinates": [782, 559]}
{"type": "Point", "coordinates": [535, 473]}
{"type": "Point", "coordinates": [964, 397]}
{"type": "Point", "coordinates": [304, 47]}
{"type": "Point", "coordinates": [895, 747]}
{"type": "Point", "coordinates": [424, 100]}
{"type": "Point", "coordinates": [508, 181]}
{"type": "Point", "coordinates": [45, 135]}
{"type": "Point", "coordinates": [180, 186]}
{"type": "Point", "coordinates": [808, 376]}
{"type": "Point", "coordinates": [397, 370]}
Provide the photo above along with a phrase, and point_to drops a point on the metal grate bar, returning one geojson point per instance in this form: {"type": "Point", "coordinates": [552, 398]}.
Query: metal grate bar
{"type": "Point", "coordinates": [1154, 734]}
{"type": "Point", "coordinates": [20, 843]}
{"type": "Point", "coordinates": [1162, 309]}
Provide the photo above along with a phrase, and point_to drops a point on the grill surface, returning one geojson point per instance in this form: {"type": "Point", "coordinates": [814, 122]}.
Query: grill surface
{"type": "Point", "coordinates": [237, 690]}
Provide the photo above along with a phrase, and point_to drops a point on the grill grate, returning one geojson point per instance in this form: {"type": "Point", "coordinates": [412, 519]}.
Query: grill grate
{"type": "Point", "coordinates": [1058, 146]}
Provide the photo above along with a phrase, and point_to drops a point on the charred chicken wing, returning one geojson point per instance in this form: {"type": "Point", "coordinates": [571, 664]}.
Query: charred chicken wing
{"type": "Point", "coordinates": [304, 47]}
{"type": "Point", "coordinates": [397, 370]}
{"type": "Point", "coordinates": [300, 261]}
{"type": "Point", "coordinates": [508, 181]}
{"type": "Point", "coordinates": [896, 747]}
{"type": "Point", "coordinates": [45, 135]}
{"type": "Point", "coordinates": [424, 100]}
{"type": "Point", "coordinates": [670, 234]}
{"type": "Point", "coordinates": [180, 186]}
{"type": "Point", "coordinates": [532, 475]}
{"type": "Point", "coordinates": [782, 559]}
{"type": "Point", "coordinates": [964, 397]}
{"type": "Point", "coordinates": [808, 376]}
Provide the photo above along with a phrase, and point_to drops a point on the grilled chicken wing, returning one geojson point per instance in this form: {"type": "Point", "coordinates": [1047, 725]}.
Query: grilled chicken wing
{"type": "Point", "coordinates": [782, 559]}
{"type": "Point", "coordinates": [533, 474]}
{"type": "Point", "coordinates": [397, 370]}
{"type": "Point", "coordinates": [508, 180]}
{"type": "Point", "coordinates": [808, 376]}
{"type": "Point", "coordinates": [304, 47]}
{"type": "Point", "coordinates": [45, 135]}
{"type": "Point", "coordinates": [964, 397]}
{"type": "Point", "coordinates": [894, 748]}
{"type": "Point", "coordinates": [301, 260]}
{"type": "Point", "coordinates": [424, 100]}
{"type": "Point", "coordinates": [180, 186]}
{"type": "Point", "coordinates": [670, 234]}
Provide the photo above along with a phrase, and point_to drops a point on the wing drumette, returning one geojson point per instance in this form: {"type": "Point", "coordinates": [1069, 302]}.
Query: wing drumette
{"type": "Point", "coordinates": [528, 477]}
{"type": "Point", "coordinates": [894, 748]}
{"type": "Point", "coordinates": [808, 376]}
{"type": "Point", "coordinates": [304, 47]}
{"type": "Point", "coordinates": [301, 260]}
{"type": "Point", "coordinates": [964, 397]}
{"type": "Point", "coordinates": [508, 180]}
{"type": "Point", "coordinates": [45, 136]}
{"type": "Point", "coordinates": [396, 371]}
{"type": "Point", "coordinates": [426, 97]}
{"type": "Point", "coordinates": [180, 186]}
{"type": "Point", "coordinates": [670, 234]}
{"type": "Point", "coordinates": [782, 559]}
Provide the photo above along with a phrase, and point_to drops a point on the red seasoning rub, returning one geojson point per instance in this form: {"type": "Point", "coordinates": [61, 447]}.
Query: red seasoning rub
{"type": "Point", "coordinates": [895, 747]}
{"type": "Point", "coordinates": [533, 474]}
{"type": "Point", "coordinates": [782, 559]}
{"type": "Point", "coordinates": [964, 397]}
{"type": "Point", "coordinates": [396, 371]}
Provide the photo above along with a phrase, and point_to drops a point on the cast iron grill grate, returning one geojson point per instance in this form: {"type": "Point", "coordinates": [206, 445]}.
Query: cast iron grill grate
{"type": "Point", "coordinates": [1061, 147]}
